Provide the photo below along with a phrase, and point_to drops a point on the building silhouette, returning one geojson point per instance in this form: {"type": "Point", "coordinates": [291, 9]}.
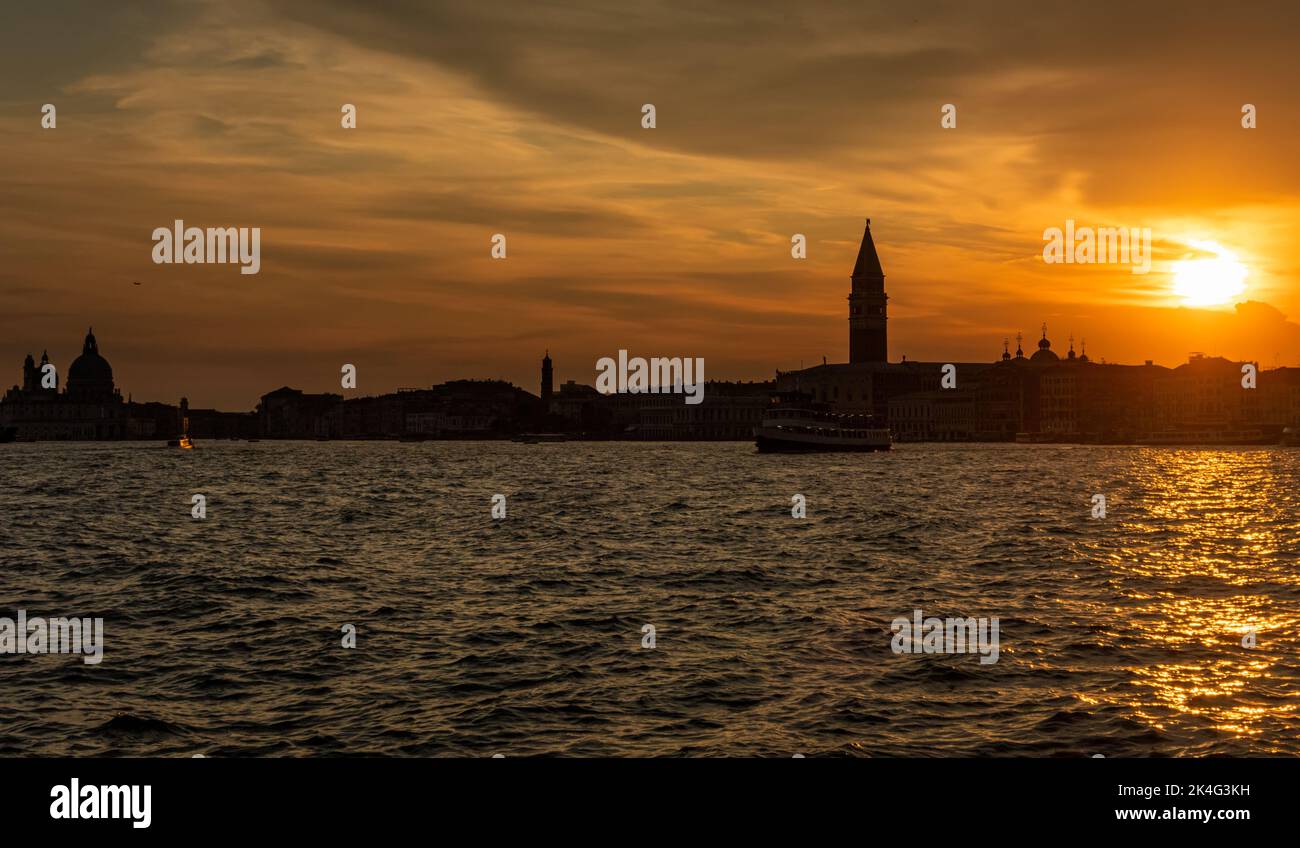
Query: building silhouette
{"type": "Point", "coordinates": [89, 406]}
{"type": "Point", "coordinates": [1043, 397]}
{"type": "Point", "coordinates": [868, 382]}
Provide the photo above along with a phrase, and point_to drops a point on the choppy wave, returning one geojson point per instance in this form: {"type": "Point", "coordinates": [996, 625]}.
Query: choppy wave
{"type": "Point", "coordinates": [1119, 636]}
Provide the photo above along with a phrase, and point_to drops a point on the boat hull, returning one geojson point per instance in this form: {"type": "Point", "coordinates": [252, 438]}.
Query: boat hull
{"type": "Point", "coordinates": [792, 428]}
{"type": "Point", "coordinates": [785, 444]}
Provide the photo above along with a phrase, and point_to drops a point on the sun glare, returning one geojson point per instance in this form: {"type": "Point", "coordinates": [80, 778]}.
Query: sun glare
{"type": "Point", "coordinates": [1210, 281]}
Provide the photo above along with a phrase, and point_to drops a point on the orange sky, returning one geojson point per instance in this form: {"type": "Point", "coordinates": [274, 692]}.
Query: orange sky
{"type": "Point", "coordinates": [525, 120]}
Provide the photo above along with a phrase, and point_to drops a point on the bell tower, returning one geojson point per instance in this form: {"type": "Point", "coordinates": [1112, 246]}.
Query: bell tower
{"type": "Point", "coordinates": [868, 338]}
{"type": "Point", "coordinates": [548, 381]}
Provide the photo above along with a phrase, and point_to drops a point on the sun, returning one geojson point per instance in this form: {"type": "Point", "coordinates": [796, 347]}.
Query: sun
{"type": "Point", "coordinates": [1209, 281]}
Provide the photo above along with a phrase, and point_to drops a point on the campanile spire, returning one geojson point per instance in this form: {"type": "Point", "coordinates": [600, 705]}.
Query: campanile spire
{"type": "Point", "coordinates": [868, 339]}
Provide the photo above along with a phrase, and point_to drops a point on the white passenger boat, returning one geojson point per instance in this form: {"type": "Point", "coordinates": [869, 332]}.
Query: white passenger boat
{"type": "Point", "coordinates": [803, 427]}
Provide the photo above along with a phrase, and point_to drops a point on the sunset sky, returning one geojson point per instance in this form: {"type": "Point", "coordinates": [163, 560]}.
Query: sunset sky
{"type": "Point", "coordinates": [523, 119]}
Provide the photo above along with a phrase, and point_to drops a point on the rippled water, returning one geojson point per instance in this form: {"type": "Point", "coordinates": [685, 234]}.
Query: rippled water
{"type": "Point", "coordinates": [1119, 636]}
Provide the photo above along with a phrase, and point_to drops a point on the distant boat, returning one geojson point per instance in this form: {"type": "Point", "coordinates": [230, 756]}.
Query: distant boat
{"type": "Point", "coordinates": [794, 424]}
{"type": "Point", "coordinates": [184, 441]}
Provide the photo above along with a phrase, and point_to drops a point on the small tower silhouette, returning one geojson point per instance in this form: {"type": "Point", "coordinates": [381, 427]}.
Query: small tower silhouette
{"type": "Point", "coordinates": [31, 375]}
{"type": "Point", "coordinates": [548, 381]}
{"type": "Point", "coordinates": [45, 360]}
{"type": "Point", "coordinates": [1006, 349]}
{"type": "Point", "coordinates": [1020, 352]}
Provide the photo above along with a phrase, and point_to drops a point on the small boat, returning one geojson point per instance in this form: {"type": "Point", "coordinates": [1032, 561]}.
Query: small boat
{"type": "Point", "coordinates": [184, 441]}
{"type": "Point", "coordinates": [795, 424]}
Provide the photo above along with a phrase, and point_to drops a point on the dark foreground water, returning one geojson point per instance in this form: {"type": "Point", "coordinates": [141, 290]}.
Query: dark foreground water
{"type": "Point", "coordinates": [1118, 636]}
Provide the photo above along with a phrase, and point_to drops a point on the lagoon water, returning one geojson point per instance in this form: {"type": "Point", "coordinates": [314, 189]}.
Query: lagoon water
{"type": "Point", "coordinates": [1119, 636]}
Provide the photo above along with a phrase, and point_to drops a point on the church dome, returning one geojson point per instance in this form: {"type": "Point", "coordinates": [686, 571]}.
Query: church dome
{"type": "Point", "coordinates": [1044, 352]}
{"type": "Point", "coordinates": [90, 367]}
{"type": "Point", "coordinates": [90, 370]}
